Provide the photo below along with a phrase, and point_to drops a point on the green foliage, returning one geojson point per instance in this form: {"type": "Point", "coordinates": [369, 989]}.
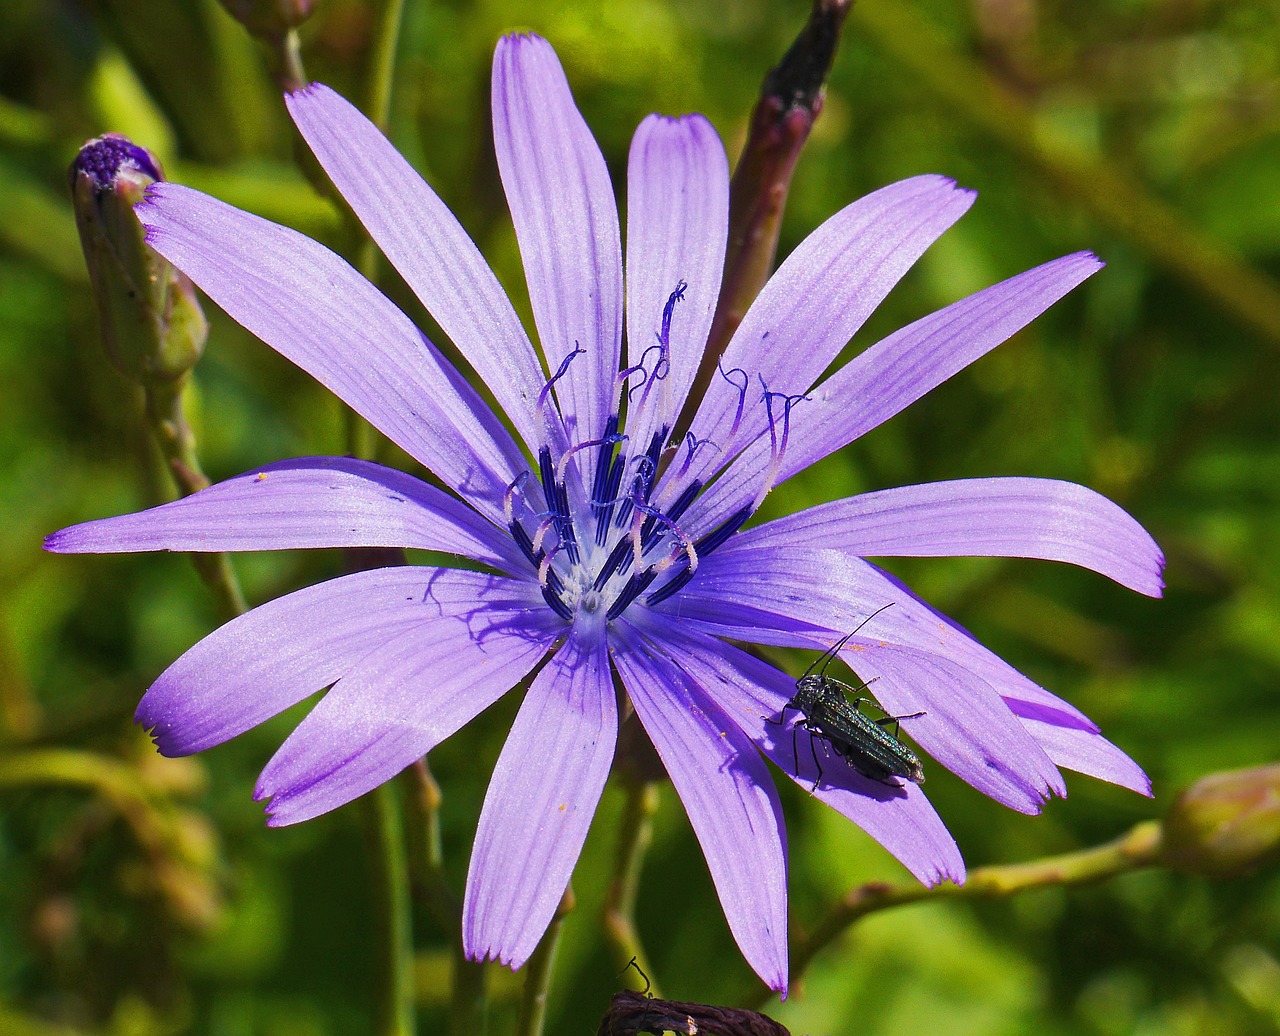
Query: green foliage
{"type": "Point", "coordinates": [173, 909]}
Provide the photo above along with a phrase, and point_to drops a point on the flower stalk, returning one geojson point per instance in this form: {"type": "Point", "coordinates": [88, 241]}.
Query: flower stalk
{"type": "Point", "coordinates": [537, 979]}
{"type": "Point", "coordinates": [789, 105]}
{"type": "Point", "coordinates": [1136, 849]}
{"type": "Point", "coordinates": [153, 328]}
{"type": "Point", "coordinates": [393, 930]}
{"type": "Point", "coordinates": [634, 838]}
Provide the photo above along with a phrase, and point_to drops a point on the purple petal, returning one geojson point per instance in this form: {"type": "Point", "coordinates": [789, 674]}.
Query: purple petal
{"type": "Point", "coordinates": [812, 597]}
{"type": "Point", "coordinates": [807, 590]}
{"type": "Point", "coordinates": [566, 223]}
{"type": "Point", "coordinates": [754, 693]}
{"type": "Point", "coordinates": [1087, 752]}
{"type": "Point", "coordinates": [301, 503]}
{"type": "Point", "coordinates": [310, 306]}
{"type": "Point", "coordinates": [677, 226]}
{"type": "Point", "coordinates": [279, 653]}
{"type": "Point", "coordinates": [817, 300]}
{"type": "Point", "coordinates": [425, 242]}
{"type": "Point", "coordinates": [890, 376]}
{"type": "Point", "coordinates": [986, 517]}
{"type": "Point", "coordinates": [543, 794]}
{"type": "Point", "coordinates": [477, 640]}
{"type": "Point", "coordinates": [729, 796]}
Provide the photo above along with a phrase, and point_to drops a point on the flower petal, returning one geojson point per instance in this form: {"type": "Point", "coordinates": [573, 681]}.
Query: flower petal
{"type": "Point", "coordinates": [426, 243]}
{"type": "Point", "coordinates": [301, 503]}
{"type": "Point", "coordinates": [729, 796]}
{"type": "Point", "coordinates": [807, 590]}
{"type": "Point", "coordinates": [544, 791]}
{"type": "Point", "coordinates": [479, 638]}
{"type": "Point", "coordinates": [677, 227]}
{"type": "Point", "coordinates": [817, 300]}
{"type": "Point", "coordinates": [754, 693]}
{"type": "Point", "coordinates": [965, 726]}
{"type": "Point", "coordinates": [891, 375]}
{"type": "Point", "coordinates": [1088, 752]}
{"type": "Point", "coordinates": [229, 683]}
{"type": "Point", "coordinates": [310, 306]}
{"type": "Point", "coordinates": [986, 517]}
{"type": "Point", "coordinates": [566, 223]}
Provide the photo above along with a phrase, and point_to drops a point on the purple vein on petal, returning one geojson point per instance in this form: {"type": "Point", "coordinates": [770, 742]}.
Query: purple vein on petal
{"type": "Point", "coordinates": [566, 222]}
{"type": "Point", "coordinates": [985, 517]}
{"type": "Point", "coordinates": [728, 795]}
{"type": "Point", "coordinates": [543, 794]}
{"type": "Point", "coordinates": [426, 243]}
{"type": "Point", "coordinates": [310, 306]}
{"type": "Point", "coordinates": [302, 503]}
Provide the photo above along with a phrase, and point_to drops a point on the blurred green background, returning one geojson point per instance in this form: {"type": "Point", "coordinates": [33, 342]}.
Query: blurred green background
{"type": "Point", "coordinates": [149, 897]}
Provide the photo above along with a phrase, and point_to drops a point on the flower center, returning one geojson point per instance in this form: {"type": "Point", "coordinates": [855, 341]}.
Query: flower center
{"type": "Point", "coordinates": [596, 553]}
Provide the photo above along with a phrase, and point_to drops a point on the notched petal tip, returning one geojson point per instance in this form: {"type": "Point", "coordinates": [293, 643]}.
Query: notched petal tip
{"type": "Point", "coordinates": [315, 88]}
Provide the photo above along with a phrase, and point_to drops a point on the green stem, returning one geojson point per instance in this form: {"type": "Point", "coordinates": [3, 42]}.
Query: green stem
{"type": "Point", "coordinates": [620, 902]}
{"type": "Point", "coordinates": [1139, 847]}
{"type": "Point", "coordinates": [469, 997]}
{"type": "Point", "coordinates": [394, 950]}
{"type": "Point", "coordinates": [537, 977]}
{"type": "Point", "coordinates": [167, 421]}
{"type": "Point", "coordinates": [1113, 198]}
{"type": "Point", "coordinates": [361, 441]}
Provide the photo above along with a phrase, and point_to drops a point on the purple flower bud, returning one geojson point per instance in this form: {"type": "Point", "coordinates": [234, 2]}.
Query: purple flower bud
{"type": "Point", "coordinates": [269, 18]}
{"type": "Point", "coordinates": [1226, 824]}
{"type": "Point", "coordinates": [153, 328]}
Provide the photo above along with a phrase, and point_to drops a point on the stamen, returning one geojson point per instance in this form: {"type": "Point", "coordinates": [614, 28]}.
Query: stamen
{"type": "Point", "coordinates": [544, 569]}
{"type": "Point", "coordinates": [557, 604]}
{"type": "Point", "coordinates": [508, 498]}
{"type": "Point", "coordinates": [552, 521]}
{"type": "Point", "coordinates": [694, 444]}
{"type": "Point", "coordinates": [621, 377]}
{"type": "Point", "coordinates": [703, 546]}
{"type": "Point", "coordinates": [636, 585]}
{"type": "Point", "coordinates": [564, 366]}
{"type": "Point", "coordinates": [777, 443]}
{"type": "Point", "coordinates": [742, 392]}
{"type": "Point", "coordinates": [608, 440]}
{"type": "Point", "coordinates": [664, 336]}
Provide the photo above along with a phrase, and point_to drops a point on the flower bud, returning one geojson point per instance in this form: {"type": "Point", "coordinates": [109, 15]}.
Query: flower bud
{"type": "Point", "coordinates": [1226, 824]}
{"type": "Point", "coordinates": [268, 19]}
{"type": "Point", "coordinates": [153, 328]}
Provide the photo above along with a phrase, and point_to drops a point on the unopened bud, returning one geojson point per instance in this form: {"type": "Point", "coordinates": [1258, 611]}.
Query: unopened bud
{"type": "Point", "coordinates": [152, 325]}
{"type": "Point", "coordinates": [268, 19]}
{"type": "Point", "coordinates": [1226, 824]}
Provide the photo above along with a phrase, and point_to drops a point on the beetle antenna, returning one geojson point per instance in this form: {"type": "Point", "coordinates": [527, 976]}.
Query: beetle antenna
{"type": "Point", "coordinates": [827, 656]}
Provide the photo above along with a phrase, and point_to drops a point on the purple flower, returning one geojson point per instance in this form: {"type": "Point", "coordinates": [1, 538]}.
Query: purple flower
{"type": "Point", "coordinates": [608, 549]}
